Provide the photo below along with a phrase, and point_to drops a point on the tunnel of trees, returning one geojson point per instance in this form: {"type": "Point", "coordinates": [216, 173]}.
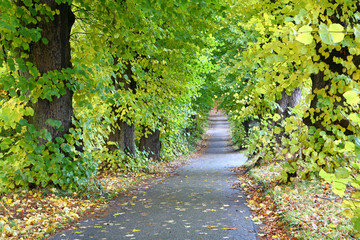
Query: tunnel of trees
{"type": "Point", "coordinates": [88, 86]}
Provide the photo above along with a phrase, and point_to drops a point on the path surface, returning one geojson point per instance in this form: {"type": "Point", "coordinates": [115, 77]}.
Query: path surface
{"type": "Point", "coordinates": [196, 203]}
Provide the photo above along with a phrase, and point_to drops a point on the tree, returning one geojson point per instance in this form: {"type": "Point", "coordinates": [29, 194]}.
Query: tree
{"type": "Point", "coordinates": [79, 75]}
{"type": "Point", "coordinates": [50, 56]}
{"type": "Point", "coordinates": [123, 133]}
{"type": "Point", "coordinates": [309, 44]}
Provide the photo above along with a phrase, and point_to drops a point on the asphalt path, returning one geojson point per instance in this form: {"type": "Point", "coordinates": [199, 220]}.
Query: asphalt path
{"type": "Point", "coordinates": [198, 202]}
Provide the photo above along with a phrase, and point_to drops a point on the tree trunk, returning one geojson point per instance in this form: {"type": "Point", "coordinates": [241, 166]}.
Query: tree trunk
{"type": "Point", "coordinates": [124, 137]}
{"type": "Point", "coordinates": [123, 134]}
{"type": "Point", "coordinates": [318, 83]}
{"type": "Point", "coordinates": [288, 101]}
{"type": "Point", "coordinates": [285, 103]}
{"type": "Point", "coordinates": [151, 144]}
{"type": "Point", "coordinates": [248, 124]}
{"type": "Point", "coordinates": [50, 57]}
{"type": "Point", "coordinates": [323, 108]}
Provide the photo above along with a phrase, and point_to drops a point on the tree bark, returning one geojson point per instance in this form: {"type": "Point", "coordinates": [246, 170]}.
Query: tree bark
{"type": "Point", "coordinates": [285, 103]}
{"type": "Point", "coordinates": [55, 55]}
{"type": "Point", "coordinates": [124, 137]}
{"type": "Point", "coordinates": [151, 144]}
{"type": "Point", "coordinates": [288, 101]}
{"type": "Point", "coordinates": [318, 83]}
{"type": "Point", "coordinates": [123, 134]}
{"type": "Point", "coordinates": [317, 118]}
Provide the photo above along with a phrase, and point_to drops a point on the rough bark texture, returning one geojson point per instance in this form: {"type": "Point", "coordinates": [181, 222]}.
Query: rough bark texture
{"type": "Point", "coordinates": [151, 144]}
{"type": "Point", "coordinates": [122, 133]}
{"type": "Point", "coordinates": [316, 118]}
{"type": "Point", "coordinates": [288, 101]}
{"type": "Point", "coordinates": [49, 57]}
{"type": "Point", "coordinates": [248, 124]}
{"type": "Point", "coordinates": [285, 103]}
{"type": "Point", "coordinates": [124, 137]}
{"type": "Point", "coordinates": [317, 83]}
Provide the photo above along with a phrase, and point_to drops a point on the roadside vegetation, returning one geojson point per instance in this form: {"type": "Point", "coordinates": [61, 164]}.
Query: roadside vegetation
{"type": "Point", "coordinates": [94, 94]}
{"type": "Point", "coordinates": [289, 83]}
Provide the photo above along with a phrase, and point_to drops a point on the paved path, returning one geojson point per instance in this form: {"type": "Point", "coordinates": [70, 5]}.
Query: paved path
{"type": "Point", "coordinates": [196, 203]}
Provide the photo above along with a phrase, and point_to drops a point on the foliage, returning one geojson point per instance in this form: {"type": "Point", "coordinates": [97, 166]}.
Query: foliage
{"type": "Point", "coordinates": [168, 62]}
{"type": "Point", "coordinates": [273, 47]}
{"type": "Point", "coordinates": [118, 161]}
{"type": "Point", "coordinates": [38, 213]}
{"type": "Point", "coordinates": [280, 209]}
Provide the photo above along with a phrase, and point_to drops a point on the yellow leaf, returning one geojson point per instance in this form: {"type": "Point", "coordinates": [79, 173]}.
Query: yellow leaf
{"type": "Point", "coordinates": [211, 210]}
{"type": "Point", "coordinates": [348, 213]}
{"type": "Point", "coordinates": [304, 35]}
{"type": "Point", "coordinates": [336, 32]}
{"type": "Point", "coordinates": [229, 228]}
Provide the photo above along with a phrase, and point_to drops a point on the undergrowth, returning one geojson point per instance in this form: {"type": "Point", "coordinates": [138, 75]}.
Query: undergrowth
{"type": "Point", "coordinates": [308, 208]}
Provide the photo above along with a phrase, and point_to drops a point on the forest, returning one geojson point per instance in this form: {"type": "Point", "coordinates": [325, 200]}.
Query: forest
{"type": "Point", "coordinates": [93, 88]}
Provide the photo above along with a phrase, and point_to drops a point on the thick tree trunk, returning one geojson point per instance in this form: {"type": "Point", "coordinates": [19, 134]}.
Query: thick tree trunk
{"type": "Point", "coordinates": [124, 137]}
{"type": "Point", "coordinates": [288, 101]}
{"type": "Point", "coordinates": [320, 109]}
{"type": "Point", "coordinates": [151, 144]}
{"type": "Point", "coordinates": [50, 57]}
{"type": "Point", "coordinates": [285, 103]}
{"type": "Point", "coordinates": [248, 124]}
{"type": "Point", "coordinates": [326, 103]}
{"type": "Point", "coordinates": [318, 83]}
{"type": "Point", "coordinates": [123, 134]}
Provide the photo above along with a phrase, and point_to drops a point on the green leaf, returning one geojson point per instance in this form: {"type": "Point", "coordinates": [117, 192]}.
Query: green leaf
{"type": "Point", "coordinates": [45, 41]}
{"type": "Point", "coordinates": [325, 175]}
{"type": "Point", "coordinates": [339, 188]}
{"type": "Point", "coordinates": [352, 97]}
{"type": "Point", "coordinates": [276, 117]}
{"type": "Point", "coordinates": [336, 32]}
{"type": "Point", "coordinates": [324, 34]}
{"type": "Point", "coordinates": [304, 35]}
{"type": "Point", "coordinates": [29, 111]}
{"type": "Point", "coordinates": [349, 146]}
{"type": "Point", "coordinates": [356, 223]}
{"type": "Point", "coordinates": [54, 123]}
{"type": "Point", "coordinates": [357, 32]}
{"type": "Point", "coordinates": [277, 130]}
{"type": "Point", "coordinates": [47, 135]}
{"type": "Point", "coordinates": [342, 173]}
{"type": "Point", "coordinates": [357, 146]}
{"type": "Point", "coordinates": [355, 195]}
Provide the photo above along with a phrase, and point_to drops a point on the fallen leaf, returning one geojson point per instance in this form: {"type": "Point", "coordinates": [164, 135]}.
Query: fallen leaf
{"type": "Point", "coordinates": [229, 228]}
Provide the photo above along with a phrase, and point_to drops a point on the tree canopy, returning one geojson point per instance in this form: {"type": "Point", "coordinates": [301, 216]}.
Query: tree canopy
{"type": "Point", "coordinates": [94, 85]}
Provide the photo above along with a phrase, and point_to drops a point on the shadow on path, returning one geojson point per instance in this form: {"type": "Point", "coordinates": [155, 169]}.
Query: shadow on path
{"type": "Point", "coordinates": [196, 203]}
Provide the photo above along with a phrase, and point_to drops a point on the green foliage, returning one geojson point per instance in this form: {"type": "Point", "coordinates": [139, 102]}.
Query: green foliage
{"type": "Point", "coordinates": [118, 161]}
{"type": "Point", "coordinates": [26, 163]}
{"type": "Point", "coordinates": [169, 64]}
{"type": "Point", "coordinates": [269, 48]}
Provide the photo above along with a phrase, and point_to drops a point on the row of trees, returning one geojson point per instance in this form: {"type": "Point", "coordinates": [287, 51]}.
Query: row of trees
{"type": "Point", "coordinates": [89, 85]}
{"type": "Point", "coordinates": [290, 84]}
